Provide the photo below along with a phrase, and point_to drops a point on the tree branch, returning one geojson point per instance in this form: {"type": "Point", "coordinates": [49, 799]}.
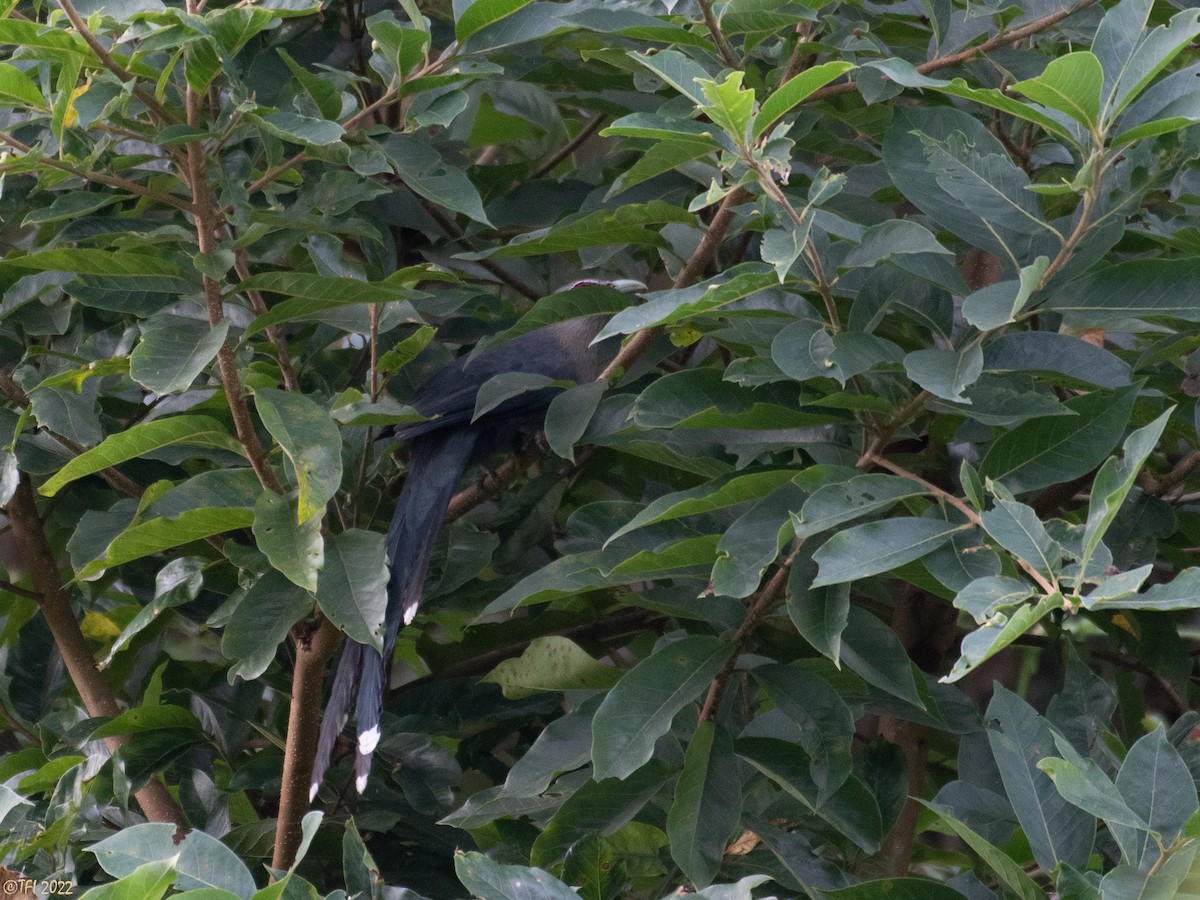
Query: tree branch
{"type": "Point", "coordinates": [314, 647]}
{"type": "Point", "coordinates": [98, 698]}
{"type": "Point", "coordinates": [944, 62]}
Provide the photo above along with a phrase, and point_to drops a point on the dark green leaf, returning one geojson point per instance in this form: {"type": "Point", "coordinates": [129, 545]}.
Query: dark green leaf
{"type": "Point", "coordinates": [639, 710]}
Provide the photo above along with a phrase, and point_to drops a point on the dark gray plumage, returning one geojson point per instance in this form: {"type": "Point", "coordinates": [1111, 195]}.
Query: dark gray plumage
{"type": "Point", "coordinates": [440, 451]}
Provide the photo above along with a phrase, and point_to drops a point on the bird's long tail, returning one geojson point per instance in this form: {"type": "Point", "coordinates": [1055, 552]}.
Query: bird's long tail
{"type": "Point", "coordinates": [436, 462]}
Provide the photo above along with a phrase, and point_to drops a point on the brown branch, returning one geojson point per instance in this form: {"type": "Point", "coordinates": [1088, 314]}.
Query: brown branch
{"type": "Point", "coordinates": [767, 599]}
{"type": "Point", "coordinates": [1178, 473]}
{"type": "Point", "coordinates": [971, 515]}
{"type": "Point", "coordinates": [14, 393]}
{"type": "Point", "coordinates": [718, 36]}
{"type": "Point", "coordinates": [589, 128]}
{"type": "Point", "coordinates": [274, 333]}
{"type": "Point", "coordinates": [106, 60]}
{"type": "Point", "coordinates": [902, 418]}
{"type": "Point", "coordinates": [954, 59]}
{"type": "Point", "coordinates": [314, 647]}
{"type": "Point", "coordinates": [114, 181]}
{"type": "Point", "coordinates": [98, 699]}
{"type": "Point", "coordinates": [10, 588]}
{"type": "Point", "coordinates": [206, 230]}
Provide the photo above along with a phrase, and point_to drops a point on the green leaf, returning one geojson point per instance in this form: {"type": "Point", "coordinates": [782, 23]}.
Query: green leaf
{"type": "Point", "coordinates": [294, 546]}
{"type": "Point", "coordinates": [1081, 781]}
{"type": "Point", "coordinates": [948, 164]}
{"type": "Point", "coordinates": [729, 104]}
{"type": "Point", "coordinates": [639, 710]}
{"type": "Point", "coordinates": [298, 129]}
{"type": "Point", "coordinates": [700, 136]}
{"type": "Point", "coordinates": [1155, 782]}
{"type": "Point", "coordinates": [753, 541]}
{"type": "Point", "coordinates": [679, 71]}
{"type": "Point", "coordinates": [708, 804]}
{"type": "Point", "coordinates": [88, 262]}
{"type": "Point", "coordinates": [1181, 592]}
{"type": "Point", "coordinates": [998, 304]}
{"type": "Point", "coordinates": [569, 414]}
{"type": "Point", "coordinates": [945, 373]}
{"type": "Point", "coordinates": [1071, 84]}
{"type": "Point", "coordinates": [896, 237]}
{"type": "Point", "coordinates": [904, 73]}
{"type": "Point", "coordinates": [15, 85]}
{"type": "Point", "coordinates": [149, 881]}
{"type": "Point", "coordinates": [877, 547]}
{"type": "Point", "coordinates": [986, 596]}
{"type": "Point", "coordinates": [1050, 352]}
{"type": "Point", "coordinates": [310, 440]}
{"type": "Point", "coordinates": [851, 810]}
{"type": "Point", "coordinates": [598, 807]}
{"type": "Point", "coordinates": [825, 721]}
{"type": "Point", "coordinates": [156, 535]}
{"type": "Point", "coordinates": [148, 718]}
{"type": "Point", "coordinates": [1131, 56]}
{"type": "Point", "coordinates": [632, 223]}
{"type": "Point", "coordinates": [1011, 873]}
{"type": "Point", "coordinates": [482, 13]}
{"type": "Point", "coordinates": [998, 632]}
{"type": "Point", "coordinates": [835, 504]}
{"type": "Point", "coordinates": [422, 169]}
{"type": "Point", "coordinates": [260, 622]}
{"type": "Point", "coordinates": [314, 294]}
{"type": "Point", "coordinates": [896, 889]}
{"type": "Point", "coordinates": [173, 351]}
{"type": "Point", "coordinates": [1055, 449]}
{"type": "Point", "coordinates": [1115, 480]}
{"type": "Point", "coordinates": [1016, 528]}
{"type": "Point", "coordinates": [404, 47]}
{"type": "Point", "coordinates": [666, 307]}
{"type": "Point", "coordinates": [873, 652]}
{"type": "Point", "coordinates": [1020, 739]}
{"type": "Point", "coordinates": [1142, 288]}
{"type": "Point", "coordinates": [177, 583]}
{"type": "Point", "coordinates": [492, 881]}
{"type": "Point", "coordinates": [551, 663]}
{"type": "Point", "coordinates": [140, 439]}
{"type": "Point", "coordinates": [500, 388]}
{"type": "Point", "coordinates": [352, 586]}
{"type": "Point", "coordinates": [717, 494]}
{"type": "Point", "coordinates": [323, 92]}
{"type": "Point", "coordinates": [792, 92]}
{"type": "Point", "coordinates": [201, 861]}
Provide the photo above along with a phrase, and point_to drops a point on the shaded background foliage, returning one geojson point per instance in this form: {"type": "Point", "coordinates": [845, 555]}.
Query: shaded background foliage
{"type": "Point", "coordinates": [908, 407]}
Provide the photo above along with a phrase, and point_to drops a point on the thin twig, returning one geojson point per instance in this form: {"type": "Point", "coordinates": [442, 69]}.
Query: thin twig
{"type": "Point", "coordinates": [274, 333]}
{"type": "Point", "coordinates": [718, 36]}
{"type": "Point", "coordinates": [124, 75]}
{"type": "Point", "coordinates": [114, 181]}
{"type": "Point", "coordinates": [946, 497]}
{"type": "Point", "coordinates": [954, 59]}
{"type": "Point", "coordinates": [589, 128]}
{"type": "Point", "coordinates": [767, 599]}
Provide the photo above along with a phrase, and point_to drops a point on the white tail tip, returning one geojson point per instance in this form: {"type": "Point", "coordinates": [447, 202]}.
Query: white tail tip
{"type": "Point", "coordinates": [368, 741]}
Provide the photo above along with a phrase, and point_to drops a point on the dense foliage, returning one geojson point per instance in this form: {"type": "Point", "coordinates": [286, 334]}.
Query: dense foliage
{"type": "Point", "coordinates": [868, 572]}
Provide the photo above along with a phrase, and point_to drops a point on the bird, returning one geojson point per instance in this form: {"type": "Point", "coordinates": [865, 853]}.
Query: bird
{"type": "Point", "coordinates": [441, 449]}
